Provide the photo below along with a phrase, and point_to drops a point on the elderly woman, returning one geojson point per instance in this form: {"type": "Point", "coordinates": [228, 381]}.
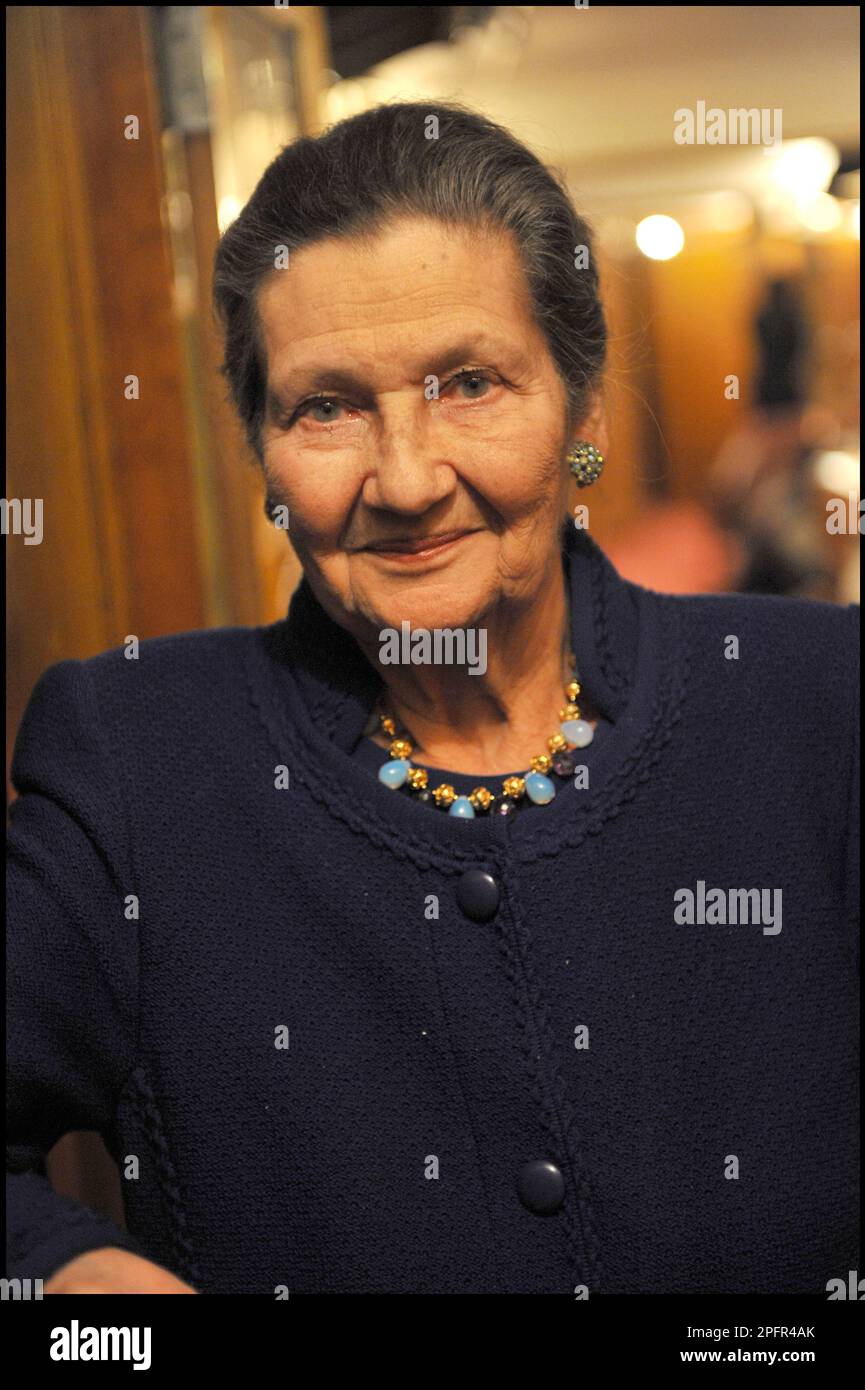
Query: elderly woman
{"type": "Point", "coordinates": [487, 924]}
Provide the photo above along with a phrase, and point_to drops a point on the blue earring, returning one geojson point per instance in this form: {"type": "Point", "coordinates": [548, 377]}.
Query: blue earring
{"type": "Point", "coordinates": [585, 462]}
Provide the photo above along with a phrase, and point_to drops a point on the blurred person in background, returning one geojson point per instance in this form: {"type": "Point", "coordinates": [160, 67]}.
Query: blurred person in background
{"type": "Point", "coordinates": [761, 483]}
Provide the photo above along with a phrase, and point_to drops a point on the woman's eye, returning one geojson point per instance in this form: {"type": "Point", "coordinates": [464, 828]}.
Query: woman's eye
{"type": "Point", "coordinates": [476, 383]}
{"type": "Point", "coordinates": [325, 403]}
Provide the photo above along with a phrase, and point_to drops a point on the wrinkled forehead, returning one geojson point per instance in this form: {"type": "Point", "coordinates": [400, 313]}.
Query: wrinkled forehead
{"type": "Point", "coordinates": [415, 286]}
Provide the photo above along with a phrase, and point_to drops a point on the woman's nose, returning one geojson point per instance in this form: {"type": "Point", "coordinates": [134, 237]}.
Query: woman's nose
{"type": "Point", "coordinates": [412, 471]}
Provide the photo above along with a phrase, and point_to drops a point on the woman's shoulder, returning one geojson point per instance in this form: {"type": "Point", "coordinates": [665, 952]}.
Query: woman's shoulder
{"type": "Point", "coordinates": [806, 650]}
{"type": "Point", "coordinates": [196, 658]}
{"type": "Point", "coordinates": [815, 629]}
{"type": "Point", "coordinates": [144, 682]}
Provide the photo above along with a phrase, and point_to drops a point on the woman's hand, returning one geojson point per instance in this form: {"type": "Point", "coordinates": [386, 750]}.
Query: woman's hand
{"type": "Point", "coordinates": [112, 1270]}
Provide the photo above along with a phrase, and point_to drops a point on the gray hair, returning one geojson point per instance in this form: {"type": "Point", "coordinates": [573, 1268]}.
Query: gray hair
{"type": "Point", "coordinates": [371, 168]}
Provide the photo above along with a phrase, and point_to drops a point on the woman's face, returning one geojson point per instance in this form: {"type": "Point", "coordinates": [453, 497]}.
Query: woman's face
{"type": "Point", "coordinates": [398, 446]}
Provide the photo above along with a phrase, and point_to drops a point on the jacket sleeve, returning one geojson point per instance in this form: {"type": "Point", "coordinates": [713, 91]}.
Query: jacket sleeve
{"type": "Point", "coordinates": [71, 965]}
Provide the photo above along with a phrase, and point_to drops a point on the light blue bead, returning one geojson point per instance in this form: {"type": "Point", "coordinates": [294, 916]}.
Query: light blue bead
{"type": "Point", "coordinates": [462, 807]}
{"type": "Point", "coordinates": [539, 788]}
{"type": "Point", "coordinates": [578, 732]}
{"type": "Point", "coordinates": [394, 773]}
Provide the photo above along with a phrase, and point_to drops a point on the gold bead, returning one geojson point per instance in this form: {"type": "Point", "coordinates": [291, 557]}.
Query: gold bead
{"type": "Point", "coordinates": [388, 725]}
{"type": "Point", "coordinates": [444, 795]}
{"type": "Point", "coordinates": [572, 689]}
{"type": "Point", "coordinates": [514, 787]}
{"type": "Point", "coordinates": [541, 762]}
{"type": "Point", "coordinates": [556, 743]}
{"type": "Point", "coordinates": [570, 711]}
{"type": "Point", "coordinates": [481, 798]}
{"type": "Point", "coordinates": [400, 748]}
{"type": "Point", "coordinates": [418, 778]}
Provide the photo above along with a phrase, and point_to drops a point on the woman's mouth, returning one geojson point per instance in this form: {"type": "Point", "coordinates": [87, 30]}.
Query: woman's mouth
{"type": "Point", "coordinates": [409, 552]}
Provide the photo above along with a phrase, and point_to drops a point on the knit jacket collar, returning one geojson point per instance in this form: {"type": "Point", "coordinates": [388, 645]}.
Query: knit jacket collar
{"type": "Point", "coordinates": [338, 685]}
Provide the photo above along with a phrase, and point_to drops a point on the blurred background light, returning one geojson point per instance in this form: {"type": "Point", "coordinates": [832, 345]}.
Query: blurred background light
{"type": "Point", "coordinates": [837, 470]}
{"type": "Point", "coordinates": [819, 212]}
{"type": "Point", "coordinates": [726, 211]}
{"type": "Point", "coordinates": [851, 218]}
{"type": "Point", "coordinates": [228, 208]}
{"type": "Point", "coordinates": [801, 167]}
{"type": "Point", "coordinates": [660, 237]}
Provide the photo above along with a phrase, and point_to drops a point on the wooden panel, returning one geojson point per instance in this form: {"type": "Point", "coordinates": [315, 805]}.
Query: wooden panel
{"type": "Point", "coordinates": [88, 302]}
{"type": "Point", "coordinates": [702, 306]}
{"type": "Point", "coordinates": [108, 51]}
{"type": "Point", "coordinates": [67, 596]}
{"type": "Point", "coordinates": [833, 304]}
{"type": "Point", "coordinates": [616, 499]}
{"type": "Point", "coordinates": [231, 490]}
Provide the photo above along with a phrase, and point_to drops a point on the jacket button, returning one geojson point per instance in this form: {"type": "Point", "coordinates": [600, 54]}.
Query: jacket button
{"type": "Point", "coordinates": [478, 895]}
{"type": "Point", "coordinates": [541, 1187]}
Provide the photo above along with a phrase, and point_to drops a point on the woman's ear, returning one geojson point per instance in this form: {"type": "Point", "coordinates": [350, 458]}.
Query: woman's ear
{"type": "Point", "coordinates": [592, 428]}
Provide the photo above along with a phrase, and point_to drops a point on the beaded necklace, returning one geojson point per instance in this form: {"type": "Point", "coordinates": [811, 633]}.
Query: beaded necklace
{"type": "Point", "coordinates": [535, 785]}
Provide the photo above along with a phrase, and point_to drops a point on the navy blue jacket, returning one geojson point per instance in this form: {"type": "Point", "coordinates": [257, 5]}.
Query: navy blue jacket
{"type": "Point", "coordinates": [324, 1064]}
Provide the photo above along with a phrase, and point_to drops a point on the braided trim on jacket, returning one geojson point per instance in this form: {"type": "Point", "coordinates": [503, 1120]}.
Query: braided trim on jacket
{"type": "Point", "coordinates": [551, 1101]}
{"type": "Point", "coordinates": [183, 1259]}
